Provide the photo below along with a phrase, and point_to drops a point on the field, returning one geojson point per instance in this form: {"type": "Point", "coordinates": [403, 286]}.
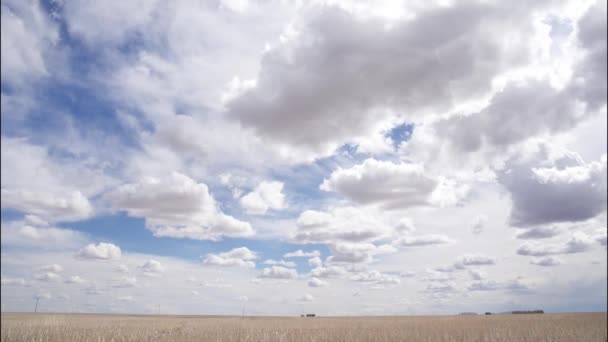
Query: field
{"type": "Point", "coordinates": [94, 327]}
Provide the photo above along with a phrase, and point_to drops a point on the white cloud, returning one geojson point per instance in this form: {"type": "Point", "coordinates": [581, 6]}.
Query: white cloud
{"type": "Point", "coordinates": [152, 267]}
{"type": "Point", "coordinates": [69, 207]}
{"type": "Point", "coordinates": [280, 262]}
{"type": "Point", "coordinates": [126, 281]}
{"type": "Point", "coordinates": [51, 268]}
{"type": "Point", "coordinates": [301, 254]}
{"type": "Point", "coordinates": [102, 250]}
{"type": "Point", "coordinates": [307, 298]}
{"type": "Point", "coordinates": [328, 272]}
{"type": "Point", "coordinates": [75, 280]}
{"type": "Point", "coordinates": [241, 256]}
{"type": "Point", "coordinates": [177, 206]}
{"type": "Point", "coordinates": [539, 233]}
{"type": "Point", "coordinates": [316, 282]}
{"type": "Point", "coordinates": [422, 240]}
{"type": "Point", "coordinates": [6, 281]}
{"type": "Point", "coordinates": [578, 243]}
{"type": "Point", "coordinates": [278, 272]}
{"type": "Point", "coordinates": [392, 185]}
{"type": "Point", "coordinates": [315, 262]}
{"type": "Point", "coordinates": [375, 277]}
{"type": "Point", "coordinates": [267, 195]}
{"type": "Point", "coordinates": [48, 277]}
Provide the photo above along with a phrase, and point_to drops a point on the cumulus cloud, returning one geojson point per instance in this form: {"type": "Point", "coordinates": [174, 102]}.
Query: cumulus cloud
{"type": "Point", "coordinates": [548, 189]}
{"type": "Point", "coordinates": [74, 280]}
{"type": "Point", "coordinates": [578, 243]}
{"type": "Point", "coordinates": [316, 282]}
{"type": "Point", "coordinates": [48, 277]}
{"type": "Point", "coordinates": [24, 234]}
{"type": "Point", "coordinates": [340, 225]}
{"type": "Point", "coordinates": [312, 101]}
{"type": "Point", "coordinates": [152, 267]}
{"type": "Point", "coordinates": [278, 272]}
{"type": "Point", "coordinates": [125, 281]}
{"type": "Point", "coordinates": [241, 256]}
{"type": "Point", "coordinates": [267, 195]}
{"type": "Point", "coordinates": [67, 207]}
{"type": "Point", "coordinates": [474, 260]}
{"type": "Point", "coordinates": [315, 262]}
{"type": "Point", "coordinates": [539, 233]}
{"type": "Point", "coordinates": [177, 206]}
{"type": "Point", "coordinates": [343, 252]}
{"type": "Point", "coordinates": [302, 254]}
{"type": "Point", "coordinates": [328, 272]}
{"type": "Point", "coordinates": [102, 250]}
{"type": "Point", "coordinates": [546, 261]}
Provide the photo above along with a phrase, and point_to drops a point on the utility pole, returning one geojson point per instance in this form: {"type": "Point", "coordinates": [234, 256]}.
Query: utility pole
{"type": "Point", "coordinates": [36, 308]}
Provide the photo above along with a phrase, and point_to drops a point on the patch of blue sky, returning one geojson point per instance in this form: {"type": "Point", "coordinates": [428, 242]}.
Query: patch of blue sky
{"type": "Point", "coordinates": [400, 133]}
{"type": "Point", "coordinates": [131, 235]}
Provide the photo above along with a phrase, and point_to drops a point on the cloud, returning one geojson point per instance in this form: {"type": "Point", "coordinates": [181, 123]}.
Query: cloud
{"type": "Point", "coordinates": [307, 298]}
{"type": "Point", "coordinates": [477, 274]}
{"type": "Point", "coordinates": [51, 268]}
{"type": "Point", "coordinates": [102, 250]}
{"type": "Point", "coordinates": [278, 272]}
{"type": "Point", "coordinates": [375, 277]}
{"type": "Point", "coordinates": [316, 282]}
{"type": "Point", "coordinates": [551, 189]}
{"type": "Point", "coordinates": [539, 233]}
{"type": "Point", "coordinates": [71, 206]}
{"type": "Point", "coordinates": [317, 102]}
{"type": "Point", "coordinates": [340, 225]}
{"type": "Point", "coordinates": [478, 224]}
{"type": "Point", "coordinates": [74, 280]}
{"type": "Point", "coordinates": [301, 254]}
{"type": "Point", "coordinates": [267, 195]}
{"type": "Point", "coordinates": [177, 206]}
{"type": "Point", "coordinates": [578, 243]}
{"type": "Point", "coordinates": [422, 240]}
{"type": "Point", "coordinates": [546, 261]}
{"type": "Point", "coordinates": [373, 181]}
{"type": "Point", "coordinates": [48, 277]}
{"type": "Point", "coordinates": [6, 281]}
{"type": "Point", "coordinates": [241, 256]}
{"type": "Point", "coordinates": [474, 260]}
{"type": "Point", "coordinates": [343, 252]}
{"type": "Point", "coordinates": [280, 262]}
{"type": "Point", "coordinates": [126, 299]}
{"type": "Point", "coordinates": [328, 272]}
{"type": "Point", "coordinates": [126, 281]}
{"type": "Point", "coordinates": [152, 267]}
{"type": "Point", "coordinates": [315, 262]}
{"type": "Point", "coordinates": [490, 285]}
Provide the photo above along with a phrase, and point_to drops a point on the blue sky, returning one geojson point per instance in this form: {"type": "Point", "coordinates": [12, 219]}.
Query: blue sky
{"type": "Point", "coordinates": [329, 156]}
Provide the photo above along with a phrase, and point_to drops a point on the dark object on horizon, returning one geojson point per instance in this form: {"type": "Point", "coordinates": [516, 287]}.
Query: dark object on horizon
{"type": "Point", "coordinates": [488, 313]}
{"type": "Point", "coordinates": [528, 312]}
{"type": "Point", "coordinates": [468, 314]}
{"type": "Point", "coordinates": [301, 315]}
{"type": "Point", "coordinates": [310, 315]}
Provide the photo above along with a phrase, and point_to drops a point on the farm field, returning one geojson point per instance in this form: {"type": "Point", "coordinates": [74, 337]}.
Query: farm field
{"type": "Point", "coordinates": [99, 327]}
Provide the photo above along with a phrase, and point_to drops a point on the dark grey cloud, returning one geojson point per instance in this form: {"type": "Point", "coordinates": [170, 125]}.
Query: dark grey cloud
{"type": "Point", "coordinates": [546, 190]}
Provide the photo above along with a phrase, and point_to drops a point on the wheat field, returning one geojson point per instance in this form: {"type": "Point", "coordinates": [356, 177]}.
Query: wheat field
{"type": "Point", "coordinates": [98, 327]}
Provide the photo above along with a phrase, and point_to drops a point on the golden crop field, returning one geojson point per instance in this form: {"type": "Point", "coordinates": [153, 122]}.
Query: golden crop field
{"type": "Point", "coordinates": [97, 327]}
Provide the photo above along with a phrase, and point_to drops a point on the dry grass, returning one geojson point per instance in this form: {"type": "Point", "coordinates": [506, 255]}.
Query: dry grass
{"type": "Point", "coordinates": [89, 327]}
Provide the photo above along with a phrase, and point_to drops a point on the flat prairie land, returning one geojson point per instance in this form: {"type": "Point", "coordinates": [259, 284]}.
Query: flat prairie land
{"type": "Point", "coordinates": [503, 327]}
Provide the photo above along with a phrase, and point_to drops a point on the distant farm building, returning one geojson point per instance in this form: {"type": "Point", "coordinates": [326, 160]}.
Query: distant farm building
{"type": "Point", "coordinates": [310, 315]}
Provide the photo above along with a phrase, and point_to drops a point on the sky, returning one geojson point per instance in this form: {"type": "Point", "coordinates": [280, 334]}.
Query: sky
{"type": "Point", "coordinates": [272, 157]}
